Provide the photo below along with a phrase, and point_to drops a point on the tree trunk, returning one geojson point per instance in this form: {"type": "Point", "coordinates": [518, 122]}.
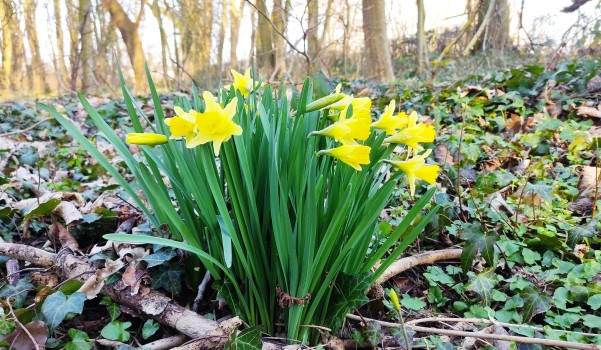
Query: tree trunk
{"type": "Point", "coordinates": [106, 39]}
{"type": "Point", "coordinates": [265, 52]}
{"type": "Point", "coordinates": [492, 27]}
{"type": "Point", "coordinates": [74, 52]}
{"type": "Point", "coordinates": [279, 18]}
{"type": "Point", "coordinates": [235, 17]}
{"type": "Point", "coordinates": [326, 34]}
{"type": "Point", "coordinates": [379, 65]}
{"type": "Point", "coordinates": [86, 34]}
{"type": "Point", "coordinates": [60, 41]}
{"type": "Point", "coordinates": [131, 38]}
{"type": "Point", "coordinates": [7, 45]}
{"type": "Point", "coordinates": [312, 27]}
{"type": "Point", "coordinates": [422, 54]}
{"type": "Point", "coordinates": [38, 77]}
{"type": "Point", "coordinates": [156, 11]}
{"type": "Point", "coordinates": [221, 39]}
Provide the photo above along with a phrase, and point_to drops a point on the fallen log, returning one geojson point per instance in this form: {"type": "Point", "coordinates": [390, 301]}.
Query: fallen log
{"type": "Point", "coordinates": [154, 304]}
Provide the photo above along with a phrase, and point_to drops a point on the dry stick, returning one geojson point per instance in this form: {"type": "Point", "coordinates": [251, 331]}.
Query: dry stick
{"type": "Point", "coordinates": [154, 304]}
{"type": "Point", "coordinates": [409, 262]}
{"type": "Point", "coordinates": [480, 335]}
{"type": "Point", "coordinates": [483, 320]}
{"type": "Point", "coordinates": [483, 25]}
{"type": "Point", "coordinates": [453, 42]}
{"type": "Point", "coordinates": [201, 290]}
{"type": "Point", "coordinates": [166, 343]}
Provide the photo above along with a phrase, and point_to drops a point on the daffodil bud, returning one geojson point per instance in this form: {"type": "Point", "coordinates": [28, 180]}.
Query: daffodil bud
{"type": "Point", "coordinates": [394, 299]}
{"type": "Point", "coordinates": [142, 138]}
{"type": "Point", "coordinates": [324, 102]}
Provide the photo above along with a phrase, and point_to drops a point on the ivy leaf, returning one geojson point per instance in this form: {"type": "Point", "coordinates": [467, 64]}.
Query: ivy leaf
{"type": "Point", "coordinates": [543, 190]}
{"type": "Point", "coordinates": [483, 284]}
{"type": "Point", "coordinates": [399, 337]}
{"type": "Point", "coordinates": [248, 339]}
{"type": "Point", "coordinates": [412, 303]}
{"type": "Point", "coordinates": [478, 242]}
{"type": "Point", "coordinates": [168, 279]}
{"type": "Point", "coordinates": [226, 290]}
{"type": "Point", "coordinates": [530, 256]}
{"type": "Point", "coordinates": [79, 340]}
{"type": "Point", "coordinates": [116, 331]}
{"type": "Point", "coordinates": [44, 208]}
{"type": "Point", "coordinates": [373, 333]}
{"type": "Point", "coordinates": [349, 293]}
{"type": "Point", "coordinates": [159, 257]}
{"type": "Point", "coordinates": [150, 328]}
{"type": "Point", "coordinates": [594, 302]}
{"type": "Point", "coordinates": [534, 303]}
{"type": "Point", "coordinates": [112, 307]}
{"type": "Point", "coordinates": [592, 321]}
{"type": "Point", "coordinates": [16, 293]}
{"type": "Point", "coordinates": [57, 306]}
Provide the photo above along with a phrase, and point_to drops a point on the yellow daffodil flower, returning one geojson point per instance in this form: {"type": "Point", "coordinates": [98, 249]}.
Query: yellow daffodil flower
{"type": "Point", "coordinates": [243, 83]}
{"type": "Point", "coordinates": [352, 155]}
{"type": "Point", "coordinates": [391, 123]}
{"type": "Point", "coordinates": [215, 124]}
{"type": "Point", "coordinates": [142, 138]}
{"type": "Point", "coordinates": [347, 131]}
{"type": "Point", "coordinates": [413, 134]}
{"type": "Point", "coordinates": [415, 168]}
{"type": "Point", "coordinates": [361, 109]}
{"type": "Point", "coordinates": [183, 124]}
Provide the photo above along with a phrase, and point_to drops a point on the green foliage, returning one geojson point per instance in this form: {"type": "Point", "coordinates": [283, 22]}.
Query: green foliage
{"type": "Point", "coordinates": [113, 308]}
{"type": "Point", "coordinates": [116, 330]}
{"type": "Point", "coordinates": [79, 340]}
{"type": "Point", "coordinates": [248, 339]}
{"type": "Point", "coordinates": [58, 306]}
{"type": "Point", "coordinates": [150, 328]}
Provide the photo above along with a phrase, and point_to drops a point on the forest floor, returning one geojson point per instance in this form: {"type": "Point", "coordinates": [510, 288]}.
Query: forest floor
{"type": "Point", "coordinates": [519, 150]}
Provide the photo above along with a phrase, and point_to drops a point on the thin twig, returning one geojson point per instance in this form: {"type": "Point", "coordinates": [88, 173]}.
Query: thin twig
{"type": "Point", "coordinates": [16, 319]}
{"type": "Point", "coordinates": [275, 29]}
{"type": "Point", "coordinates": [480, 335]}
{"type": "Point", "coordinates": [26, 129]}
{"type": "Point", "coordinates": [201, 290]}
{"type": "Point", "coordinates": [483, 320]}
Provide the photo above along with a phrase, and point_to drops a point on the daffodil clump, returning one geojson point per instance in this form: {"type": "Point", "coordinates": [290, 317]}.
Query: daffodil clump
{"type": "Point", "coordinates": [279, 204]}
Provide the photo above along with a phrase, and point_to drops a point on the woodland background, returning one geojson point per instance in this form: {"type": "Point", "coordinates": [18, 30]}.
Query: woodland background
{"type": "Point", "coordinates": [64, 46]}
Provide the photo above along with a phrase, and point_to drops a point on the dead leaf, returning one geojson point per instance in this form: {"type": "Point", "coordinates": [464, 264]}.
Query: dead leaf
{"type": "Point", "coordinates": [94, 284]}
{"type": "Point", "coordinates": [59, 234]}
{"type": "Point", "coordinates": [68, 212]}
{"type": "Point", "coordinates": [514, 124]}
{"type": "Point", "coordinates": [586, 111]}
{"type": "Point", "coordinates": [499, 205]}
{"type": "Point", "coordinates": [581, 249]}
{"type": "Point", "coordinates": [588, 180]}
{"type": "Point", "coordinates": [133, 276]}
{"type": "Point", "coordinates": [583, 205]}
{"type": "Point", "coordinates": [130, 254]}
{"type": "Point", "coordinates": [19, 339]}
{"type": "Point", "coordinates": [442, 155]}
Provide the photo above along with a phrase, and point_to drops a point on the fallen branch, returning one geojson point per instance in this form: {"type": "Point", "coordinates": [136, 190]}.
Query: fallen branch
{"type": "Point", "coordinates": [410, 262]}
{"type": "Point", "coordinates": [494, 322]}
{"type": "Point", "coordinates": [154, 304]}
{"type": "Point", "coordinates": [166, 343]}
{"type": "Point", "coordinates": [481, 335]}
